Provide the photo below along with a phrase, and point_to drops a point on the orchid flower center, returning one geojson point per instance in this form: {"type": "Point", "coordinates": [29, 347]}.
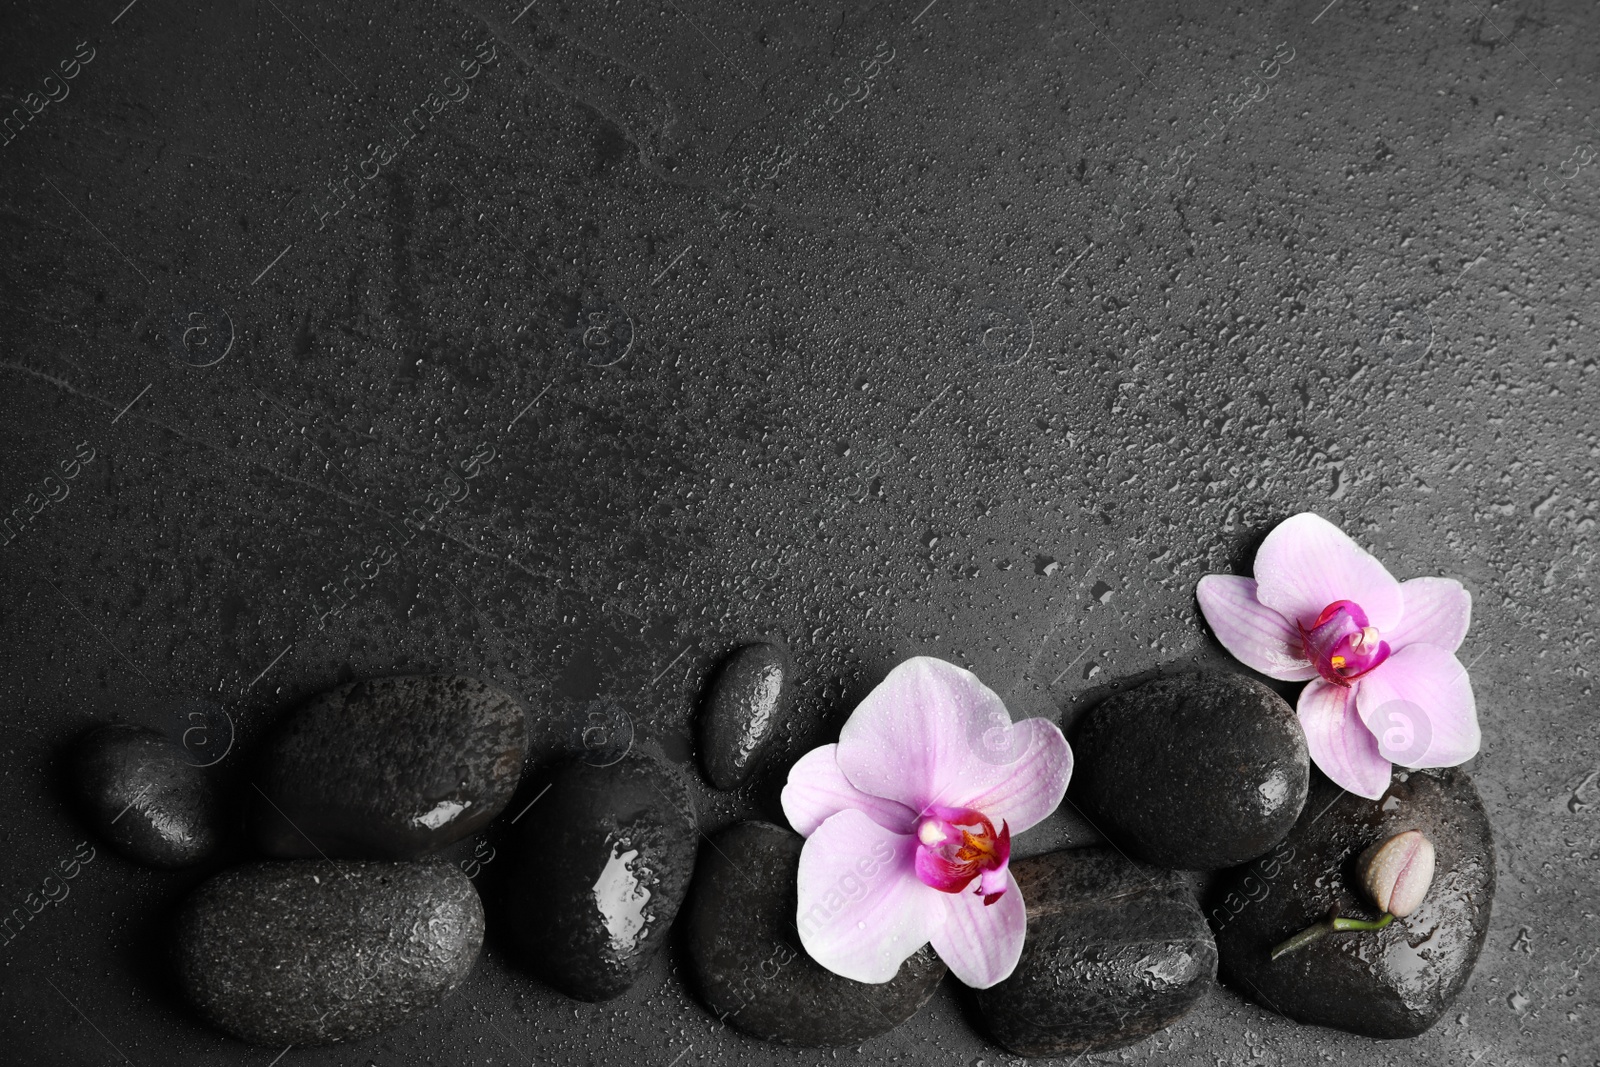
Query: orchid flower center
{"type": "Point", "coordinates": [957, 847]}
{"type": "Point", "coordinates": [1341, 644]}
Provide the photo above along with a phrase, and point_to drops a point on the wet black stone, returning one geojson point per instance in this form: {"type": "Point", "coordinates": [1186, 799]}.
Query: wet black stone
{"type": "Point", "coordinates": [1389, 983]}
{"type": "Point", "coordinates": [391, 768]}
{"type": "Point", "coordinates": [1115, 952]}
{"type": "Point", "coordinates": [143, 793]}
{"type": "Point", "coordinates": [602, 863]}
{"type": "Point", "coordinates": [312, 952]}
{"type": "Point", "coordinates": [744, 708]}
{"type": "Point", "coordinates": [1197, 772]}
{"type": "Point", "coordinates": [747, 962]}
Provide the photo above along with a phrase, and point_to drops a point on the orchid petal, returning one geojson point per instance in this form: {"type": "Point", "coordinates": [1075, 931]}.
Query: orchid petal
{"type": "Point", "coordinates": [817, 789]}
{"type": "Point", "coordinates": [980, 942]}
{"type": "Point", "coordinates": [1437, 612]}
{"type": "Point", "coordinates": [862, 911]}
{"type": "Point", "coordinates": [932, 734]}
{"type": "Point", "coordinates": [1340, 744]}
{"type": "Point", "coordinates": [1253, 633]}
{"type": "Point", "coordinates": [1307, 563]}
{"type": "Point", "coordinates": [1420, 708]}
{"type": "Point", "coordinates": [1036, 780]}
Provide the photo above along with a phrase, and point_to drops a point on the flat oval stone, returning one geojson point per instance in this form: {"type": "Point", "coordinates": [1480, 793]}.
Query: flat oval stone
{"type": "Point", "coordinates": [312, 952]}
{"type": "Point", "coordinates": [744, 707]}
{"type": "Point", "coordinates": [603, 860]}
{"type": "Point", "coordinates": [391, 768]}
{"type": "Point", "coordinates": [143, 793]}
{"type": "Point", "coordinates": [747, 962]}
{"type": "Point", "coordinates": [1197, 772]}
{"type": "Point", "coordinates": [1115, 952]}
{"type": "Point", "coordinates": [1390, 983]}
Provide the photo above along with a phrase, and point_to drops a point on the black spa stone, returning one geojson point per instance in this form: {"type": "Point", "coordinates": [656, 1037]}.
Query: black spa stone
{"type": "Point", "coordinates": [390, 768]}
{"type": "Point", "coordinates": [143, 793]}
{"type": "Point", "coordinates": [1196, 772]}
{"type": "Point", "coordinates": [1390, 983]}
{"type": "Point", "coordinates": [1115, 952]}
{"type": "Point", "coordinates": [311, 952]}
{"type": "Point", "coordinates": [743, 710]}
{"type": "Point", "coordinates": [746, 960]}
{"type": "Point", "coordinates": [603, 859]}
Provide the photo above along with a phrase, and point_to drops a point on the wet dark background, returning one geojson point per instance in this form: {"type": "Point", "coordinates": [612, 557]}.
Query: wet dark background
{"type": "Point", "coordinates": [977, 330]}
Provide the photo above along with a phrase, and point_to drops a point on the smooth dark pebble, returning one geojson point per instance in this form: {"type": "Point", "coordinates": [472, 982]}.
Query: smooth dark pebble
{"type": "Point", "coordinates": [1196, 772]}
{"type": "Point", "coordinates": [1115, 952]}
{"type": "Point", "coordinates": [312, 952]}
{"type": "Point", "coordinates": [145, 794]}
{"type": "Point", "coordinates": [603, 858]}
{"type": "Point", "coordinates": [743, 710]}
{"type": "Point", "coordinates": [390, 768]}
{"type": "Point", "coordinates": [1390, 983]}
{"type": "Point", "coordinates": [747, 962]}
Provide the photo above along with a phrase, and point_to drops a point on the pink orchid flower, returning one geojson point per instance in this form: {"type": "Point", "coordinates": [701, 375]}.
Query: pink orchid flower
{"type": "Point", "coordinates": [908, 823]}
{"type": "Point", "coordinates": [1386, 686]}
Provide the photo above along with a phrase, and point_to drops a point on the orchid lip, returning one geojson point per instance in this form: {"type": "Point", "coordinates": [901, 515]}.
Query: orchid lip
{"type": "Point", "coordinates": [959, 846]}
{"type": "Point", "coordinates": [1342, 645]}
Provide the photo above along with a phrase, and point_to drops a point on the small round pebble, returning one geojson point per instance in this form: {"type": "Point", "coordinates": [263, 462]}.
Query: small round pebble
{"type": "Point", "coordinates": [744, 708]}
{"type": "Point", "coordinates": [143, 793]}
{"type": "Point", "coordinates": [1196, 772]}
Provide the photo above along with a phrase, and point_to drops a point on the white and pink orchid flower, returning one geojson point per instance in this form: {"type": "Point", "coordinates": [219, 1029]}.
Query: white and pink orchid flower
{"type": "Point", "coordinates": [1386, 686]}
{"type": "Point", "coordinates": [908, 823]}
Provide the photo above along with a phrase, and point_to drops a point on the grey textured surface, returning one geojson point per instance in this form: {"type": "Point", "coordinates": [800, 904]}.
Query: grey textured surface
{"type": "Point", "coordinates": [1066, 309]}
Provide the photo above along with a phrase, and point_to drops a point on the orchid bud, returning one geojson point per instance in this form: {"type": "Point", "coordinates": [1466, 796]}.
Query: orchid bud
{"type": "Point", "coordinates": [1396, 873]}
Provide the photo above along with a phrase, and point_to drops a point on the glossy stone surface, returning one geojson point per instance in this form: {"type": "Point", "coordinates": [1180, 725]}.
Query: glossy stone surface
{"type": "Point", "coordinates": [145, 794]}
{"type": "Point", "coordinates": [1115, 952]}
{"type": "Point", "coordinates": [603, 860]}
{"type": "Point", "coordinates": [743, 709]}
{"type": "Point", "coordinates": [390, 768]}
{"type": "Point", "coordinates": [1390, 983]}
{"type": "Point", "coordinates": [312, 952]}
{"type": "Point", "coordinates": [1197, 772]}
{"type": "Point", "coordinates": [746, 959]}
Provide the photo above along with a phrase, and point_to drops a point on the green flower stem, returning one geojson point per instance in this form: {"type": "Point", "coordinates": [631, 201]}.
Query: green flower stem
{"type": "Point", "coordinates": [1336, 924]}
{"type": "Point", "coordinates": [1303, 938]}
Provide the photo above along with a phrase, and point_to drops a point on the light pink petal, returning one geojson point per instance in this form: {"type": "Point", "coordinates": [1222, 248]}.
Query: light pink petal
{"type": "Point", "coordinates": [862, 910]}
{"type": "Point", "coordinates": [1037, 780]}
{"type": "Point", "coordinates": [1437, 612]}
{"type": "Point", "coordinates": [817, 788]}
{"type": "Point", "coordinates": [980, 942]}
{"type": "Point", "coordinates": [1419, 706]}
{"type": "Point", "coordinates": [1253, 633]}
{"type": "Point", "coordinates": [933, 734]}
{"type": "Point", "coordinates": [1340, 744]}
{"type": "Point", "coordinates": [1307, 563]}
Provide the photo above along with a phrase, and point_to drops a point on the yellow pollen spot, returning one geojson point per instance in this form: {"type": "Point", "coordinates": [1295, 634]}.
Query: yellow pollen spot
{"type": "Point", "coordinates": [1338, 663]}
